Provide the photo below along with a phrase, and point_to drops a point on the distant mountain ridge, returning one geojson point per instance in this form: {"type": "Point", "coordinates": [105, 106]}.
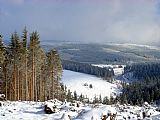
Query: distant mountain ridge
{"type": "Point", "coordinates": [104, 53]}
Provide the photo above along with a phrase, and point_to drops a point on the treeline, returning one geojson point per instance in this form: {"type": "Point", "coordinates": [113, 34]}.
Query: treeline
{"type": "Point", "coordinates": [71, 97]}
{"type": "Point", "coordinates": [138, 92]}
{"type": "Point", "coordinates": [106, 73]}
{"type": "Point", "coordinates": [143, 70]}
{"type": "Point", "coordinates": [146, 88]}
{"type": "Point", "coordinates": [26, 71]}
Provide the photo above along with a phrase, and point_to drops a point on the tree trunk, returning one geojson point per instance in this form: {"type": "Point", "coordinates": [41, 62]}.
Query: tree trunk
{"type": "Point", "coordinates": [26, 79]}
{"type": "Point", "coordinates": [35, 84]}
{"type": "Point", "coordinates": [33, 77]}
{"type": "Point", "coordinates": [53, 85]}
{"type": "Point", "coordinates": [18, 84]}
{"type": "Point", "coordinates": [15, 88]}
{"type": "Point", "coordinates": [5, 77]}
{"type": "Point", "coordinates": [57, 88]}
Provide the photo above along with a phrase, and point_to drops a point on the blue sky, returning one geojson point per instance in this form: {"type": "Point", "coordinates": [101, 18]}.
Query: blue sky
{"type": "Point", "coordinates": [131, 21]}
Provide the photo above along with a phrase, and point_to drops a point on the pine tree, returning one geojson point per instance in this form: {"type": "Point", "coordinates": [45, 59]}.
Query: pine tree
{"type": "Point", "coordinates": [2, 66]}
{"type": "Point", "coordinates": [69, 95]}
{"type": "Point", "coordinates": [25, 85]}
{"type": "Point", "coordinates": [51, 69]}
{"type": "Point", "coordinates": [34, 47]}
{"type": "Point", "coordinates": [105, 100]}
{"type": "Point", "coordinates": [62, 92]}
{"type": "Point", "coordinates": [2, 51]}
{"type": "Point", "coordinates": [75, 95]}
{"type": "Point", "coordinates": [81, 97]}
{"type": "Point", "coordinates": [14, 55]}
{"type": "Point", "coordinates": [55, 70]}
{"type": "Point", "coordinates": [26, 70]}
{"type": "Point", "coordinates": [40, 67]}
{"type": "Point", "coordinates": [100, 98]}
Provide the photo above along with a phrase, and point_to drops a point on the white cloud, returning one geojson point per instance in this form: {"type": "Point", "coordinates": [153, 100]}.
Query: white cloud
{"type": "Point", "coordinates": [136, 21]}
{"type": "Point", "coordinates": [15, 2]}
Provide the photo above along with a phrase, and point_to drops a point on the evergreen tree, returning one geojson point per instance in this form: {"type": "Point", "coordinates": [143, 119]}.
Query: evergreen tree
{"type": "Point", "coordinates": [2, 66]}
{"type": "Point", "coordinates": [34, 47]}
{"type": "Point", "coordinates": [69, 95]}
{"type": "Point", "coordinates": [25, 91]}
{"type": "Point", "coordinates": [81, 97]}
{"type": "Point", "coordinates": [14, 56]}
{"type": "Point", "coordinates": [25, 70]}
{"type": "Point", "coordinates": [2, 51]}
{"type": "Point", "coordinates": [100, 98]}
{"type": "Point", "coordinates": [75, 95]}
{"type": "Point", "coordinates": [105, 100]}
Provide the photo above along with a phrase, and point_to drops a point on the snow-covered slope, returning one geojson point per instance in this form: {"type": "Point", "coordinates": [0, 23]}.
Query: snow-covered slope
{"type": "Point", "coordinates": [80, 83]}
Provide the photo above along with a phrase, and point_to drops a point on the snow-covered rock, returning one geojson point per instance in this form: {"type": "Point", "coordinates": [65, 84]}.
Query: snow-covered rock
{"type": "Point", "coordinates": [2, 97]}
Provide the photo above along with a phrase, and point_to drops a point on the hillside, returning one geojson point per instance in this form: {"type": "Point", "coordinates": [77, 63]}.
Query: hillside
{"type": "Point", "coordinates": [104, 53]}
{"type": "Point", "coordinates": [80, 83]}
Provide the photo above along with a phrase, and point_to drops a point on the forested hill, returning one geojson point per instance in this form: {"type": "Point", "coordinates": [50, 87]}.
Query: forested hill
{"type": "Point", "coordinates": [103, 53]}
{"type": "Point", "coordinates": [106, 73]}
{"type": "Point", "coordinates": [147, 86]}
{"type": "Point", "coordinates": [142, 71]}
{"type": "Point", "coordinates": [139, 91]}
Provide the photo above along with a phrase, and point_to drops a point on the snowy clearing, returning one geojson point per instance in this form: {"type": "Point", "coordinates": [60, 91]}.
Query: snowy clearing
{"type": "Point", "coordinates": [118, 69]}
{"type": "Point", "coordinates": [81, 82]}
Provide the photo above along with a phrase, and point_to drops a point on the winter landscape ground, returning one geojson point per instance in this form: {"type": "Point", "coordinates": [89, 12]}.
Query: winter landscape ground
{"type": "Point", "coordinates": [80, 83]}
{"type": "Point", "coordinates": [28, 110]}
{"type": "Point", "coordinates": [79, 59]}
{"type": "Point", "coordinates": [66, 111]}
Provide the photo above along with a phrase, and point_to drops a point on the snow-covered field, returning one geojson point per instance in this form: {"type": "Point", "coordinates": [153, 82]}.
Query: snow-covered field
{"type": "Point", "coordinates": [35, 111]}
{"type": "Point", "coordinates": [118, 69]}
{"type": "Point", "coordinates": [81, 82]}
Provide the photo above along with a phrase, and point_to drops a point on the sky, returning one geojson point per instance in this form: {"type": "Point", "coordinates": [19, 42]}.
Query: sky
{"type": "Point", "coordinates": [99, 21]}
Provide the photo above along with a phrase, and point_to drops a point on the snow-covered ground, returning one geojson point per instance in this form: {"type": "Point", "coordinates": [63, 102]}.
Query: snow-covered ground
{"type": "Point", "coordinates": [138, 45]}
{"type": "Point", "coordinates": [118, 69]}
{"type": "Point", "coordinates": [81, 83]}
{"type": "Point", "coordinates": [35, 111]}
{"type": "Point", "coordinates": [28, 110]}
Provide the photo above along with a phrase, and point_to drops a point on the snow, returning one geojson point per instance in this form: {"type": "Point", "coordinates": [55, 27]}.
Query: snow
{"type": "Point", "coordinates": [28, 110]}
{"type": "Point", "coordinates": [19, 110]}
{"type": "Point", "coordinates": [80, 83]}
{"type": "Point", "coordinates": [119, 72]}
{"type": "Point", "coordinates": [138, 45]}
{"type": "Point", "coordinates": [118, 69]}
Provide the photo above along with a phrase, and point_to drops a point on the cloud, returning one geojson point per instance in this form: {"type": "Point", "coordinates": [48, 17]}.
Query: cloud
{"type": "Point", "coordinates": [133, 21]}
{"type": "Point", "coordinates": [14, 2]}
{"type": "Point", "coordinates": [3, 13]}
{"type": "Point", "coordinates": [136, 22]}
